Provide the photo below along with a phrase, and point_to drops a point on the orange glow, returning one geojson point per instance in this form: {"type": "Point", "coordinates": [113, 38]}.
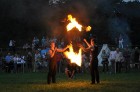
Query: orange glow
{"type": "Point", "coordinates": [88, 28]}
{"type": "Point", "coordinates": [73, 23]}
{"type": "Point", "coordinates": [74, 57]}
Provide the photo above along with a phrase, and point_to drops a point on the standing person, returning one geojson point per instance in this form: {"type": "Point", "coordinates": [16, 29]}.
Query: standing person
{"type": "Point", "coordinates": [126, 55]}
{"type": "Point", "coordinates": [8, 60]}
{"type": "Point", "coordinates": [118, 60]}
{"type": "Point", "coordinates": [35, 43]}
{"type": "Point", "coordinates": [136, 57]}
{"type": "Point", "coordinates": [37, 61]}
{"type": "Point", "coordinates": [104, 60]}
{"type": "Point", "coordinates": [120, 41]}
{"type": "Point", "coordinates": [112, 57]}
{"type": "Point", "coordinates": [93, 48]}
{"type": "Point", "coordinates": [53, 62]}
{"type": "Point", "coordinates": [43, 41]}
{"type": "Point", "coordinates": [14, 45]}
{"type": "Point", "coordinates": [10, 45]}
{"type": "Point", "coordinates": [15, 59]}
{"type": "Point", "coordinates": [29, 61]}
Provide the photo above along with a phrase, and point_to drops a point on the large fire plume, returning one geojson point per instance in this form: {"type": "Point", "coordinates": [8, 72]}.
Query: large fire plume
{"type": "Point", "coordinates": [73, 56]}
{"type": "Point", "coordinates": [74, 24]}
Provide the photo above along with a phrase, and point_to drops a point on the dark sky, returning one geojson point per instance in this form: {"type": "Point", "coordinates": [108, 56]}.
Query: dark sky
{"type": "Point", "coordinates": [23, 19]}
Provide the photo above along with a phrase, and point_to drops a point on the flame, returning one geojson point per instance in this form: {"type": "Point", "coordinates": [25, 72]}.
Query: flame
{"type": "Point", "coordinates": [88, 28]}
{"type": "Point", "coordinates": [73, 23]}
{"type": "Point", "coordinates": [74, 57]}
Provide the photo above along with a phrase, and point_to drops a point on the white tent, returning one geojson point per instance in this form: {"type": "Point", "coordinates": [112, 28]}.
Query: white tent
{"type": "Point", "coordinates": [106, 48]}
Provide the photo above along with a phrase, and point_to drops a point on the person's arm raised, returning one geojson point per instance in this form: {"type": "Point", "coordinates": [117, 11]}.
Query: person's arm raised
{"type": "Point", "coordinates": [85, 49]}
{"type": "Point", "coordinates": [87, 43]}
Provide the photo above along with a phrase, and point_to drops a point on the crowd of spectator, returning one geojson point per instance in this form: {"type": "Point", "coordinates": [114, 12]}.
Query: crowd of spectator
{"type": "Point", "coordinates": [34, 58]}
{"type": "Point", "coordinates": [121, 59]}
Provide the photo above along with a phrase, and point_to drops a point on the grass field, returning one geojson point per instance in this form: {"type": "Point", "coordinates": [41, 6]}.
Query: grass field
{"type": "Point", "coordinates": [37, 82]}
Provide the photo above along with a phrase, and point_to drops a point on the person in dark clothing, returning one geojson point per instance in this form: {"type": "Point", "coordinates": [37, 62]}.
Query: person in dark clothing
{"type": "Point", "coordinates": [136, 57]}
{"type": "Point", "coordinates": [29, 61]}
{"type": "Point", "coordinates": [53, 62]}
{"type": "Point", "coordinates": [104, 61]}
{"type": "Point", "coordinates": [126, 55]}
{"type": "Point", "coordinates": [93, 49]}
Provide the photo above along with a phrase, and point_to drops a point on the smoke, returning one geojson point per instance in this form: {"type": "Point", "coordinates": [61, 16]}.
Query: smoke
{"type": "Point", "coordinates": [51, 15]}
{"type": "Point", "coordinates": [116, 25]}
{"type": "Point", "coordinates": [119, 27]}
{"type": "Point", "coordinates": [56, 16]}
{"type": "Point", "coordinates": [32, 12]}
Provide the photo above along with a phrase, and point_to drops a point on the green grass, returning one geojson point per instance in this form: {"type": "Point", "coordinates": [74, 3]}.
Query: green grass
{"type": "Point", "coordinates": [37, 82]}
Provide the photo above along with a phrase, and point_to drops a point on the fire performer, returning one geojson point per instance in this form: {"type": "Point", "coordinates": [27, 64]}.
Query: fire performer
{"type": "Point", "coordinates": [53, 62]}
{"type": "Point", "coordinates": [93, 48]}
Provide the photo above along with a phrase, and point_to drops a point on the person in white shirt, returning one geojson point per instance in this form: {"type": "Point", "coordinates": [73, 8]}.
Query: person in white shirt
{"type": "Point", "coordinates": [112, 60]}
{"type": "Point", "coordinates": [11, 45]}
{"type": "Point", "coordinates": [118, 60]}
{"type": "Point", "coordinates": [15, 59]}
{"type": "Point", "coordinates": [120, 42]}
